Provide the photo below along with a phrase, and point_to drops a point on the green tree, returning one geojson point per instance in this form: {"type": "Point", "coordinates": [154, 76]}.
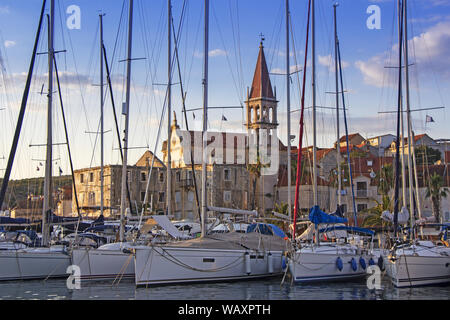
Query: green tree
{"type": "Point", "coordinates": [436, 192]}
{"type": "Point", "coordinates": [373, 217]}
{"type": "Point", "coordinates": [255, 171]}
{"type": "Point", "coordinates": [426, 155]}
{"type": "Point", "coordinates": [385, 179]}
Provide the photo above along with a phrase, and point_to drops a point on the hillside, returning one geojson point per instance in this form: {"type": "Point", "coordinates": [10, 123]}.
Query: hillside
{"type": "Point", "coordinates": [18, 190]}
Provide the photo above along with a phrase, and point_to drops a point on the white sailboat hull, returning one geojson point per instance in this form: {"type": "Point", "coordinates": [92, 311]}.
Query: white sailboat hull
{"type": "Point", "coordinates": [314, 266]}
{"type": "Point", "coordinates": [33, 263]}
{"type": "Point", "coordinates": [103, 264]}
{"type": "Point", "coordinates": [165, 265]}
{"type": "Point", "coordinates": [409, 270]}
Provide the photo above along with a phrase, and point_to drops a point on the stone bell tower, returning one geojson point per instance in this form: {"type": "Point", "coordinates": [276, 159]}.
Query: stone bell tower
{"type": "Point", "coordinates": [261, 104]}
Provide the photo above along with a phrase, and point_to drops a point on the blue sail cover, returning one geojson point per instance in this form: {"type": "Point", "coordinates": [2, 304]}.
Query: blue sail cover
{"type": "Point", "coordinates": [317, 216]}
{"type": "Point", "coordinates": [347, 228]}
{"type": "Point", "coordinates": [8, 220]}
{"type": "Point", "coordinates": [266, 228]}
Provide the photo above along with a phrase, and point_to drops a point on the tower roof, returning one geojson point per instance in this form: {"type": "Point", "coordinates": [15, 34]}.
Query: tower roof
{"type": "Point", "coordinates": [261, 86]}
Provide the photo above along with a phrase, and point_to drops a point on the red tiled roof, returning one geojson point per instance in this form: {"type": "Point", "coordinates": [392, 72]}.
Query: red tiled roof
{"type": "Point", "coordinates": [306, 179]}
{"type": "Point", "coordinates": [261, 86]}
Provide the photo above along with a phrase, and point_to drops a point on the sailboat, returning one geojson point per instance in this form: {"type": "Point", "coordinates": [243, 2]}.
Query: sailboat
{"type": "Point", "coordinates": [115, 261]}
{"type": "Point", "coordinates": [213, 257]}
{"type": "Point", "coordinates": [112, 260]}
{"type": "Point", "coordinates": [46, 261]}
{"type": "Point", "coordinates": [412, 262]}
{"type": "Point", "coordinates": [326, 261]}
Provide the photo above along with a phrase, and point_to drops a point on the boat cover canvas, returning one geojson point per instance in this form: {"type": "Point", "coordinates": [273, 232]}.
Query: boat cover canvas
{"type": "Point", "coordinates": [317, 216]}
{"type": "Point", "coordinates": [165, 223]}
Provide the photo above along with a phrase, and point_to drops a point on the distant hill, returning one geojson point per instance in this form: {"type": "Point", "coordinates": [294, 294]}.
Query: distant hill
{"type": "Point", "coordinates": [19, 190]}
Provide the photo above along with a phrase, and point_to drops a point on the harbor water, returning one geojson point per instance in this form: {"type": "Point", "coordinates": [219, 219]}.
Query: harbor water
{"type": "Point", "coordinates": [268, 289]}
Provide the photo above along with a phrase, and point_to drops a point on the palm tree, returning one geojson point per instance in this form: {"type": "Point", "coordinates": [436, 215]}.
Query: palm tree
{"type": "Point", "coordinates": [373, 218]}
{"type": "Point", "coordinates": [255, 170]}
{"type": "Point", "coordinates": [385, 179]}
{"type": "Point", "coordinates": [436, 192]}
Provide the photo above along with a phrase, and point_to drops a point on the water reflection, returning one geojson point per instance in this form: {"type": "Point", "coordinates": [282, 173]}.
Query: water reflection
{"type": "Point", "coordinates": [271, 289]}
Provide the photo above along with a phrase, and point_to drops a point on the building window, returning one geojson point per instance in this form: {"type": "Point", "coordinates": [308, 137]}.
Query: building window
{"type": "Point", "coordinates": [178, 197]}
{"type": "Point", "coordinates": [190, 196]}
{"type": "Point", "coordinates": [343, 208]}
{"type": "Point", "coordinates": [369, 163]}
{"type": "Point", "coordinates": [227, 196]}
{"type": "Point", "coordinates": [142, 196]}
{"type": "Point", "coordinates": [361, 189]}
{"type": "Point", "coordinates": [91, 177]}
{"type": "Point", "coordinates": [81, 178]}
{"type": "Point", "coordinates": [161, 177]}
{"type": "Point", "coordinates": [447, 216]}
{"type": "Point", "coordinates": [227, 174]}
{"type": "Point", "coordinates": [91, 199]}
{"type": "Point", "coordinates": [361, 207]}
{"type": "Point", "coordinates": [178, 176]}
{"type": "Point", "coordinates": [161, 197]}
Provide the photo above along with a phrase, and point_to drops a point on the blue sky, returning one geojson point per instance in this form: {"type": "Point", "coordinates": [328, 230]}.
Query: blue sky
{"type": "Point", "coordinates": [235, 26]}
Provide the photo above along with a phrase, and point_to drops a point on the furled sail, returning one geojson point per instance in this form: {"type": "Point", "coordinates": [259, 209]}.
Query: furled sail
{"type": "Point", "coordinates": [403, 216]}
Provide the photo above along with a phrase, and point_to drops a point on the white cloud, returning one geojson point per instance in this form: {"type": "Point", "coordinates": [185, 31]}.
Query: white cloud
{"type": "Point", "coordinates": [217, 52]}
{"type": "Point", "coordinates": [430, 51]}
{"type": "Point", "coordinates": [328, 61]}
{"type": "Point", "coordinates": [212, 53]}
{"type": "Point", "coordinates": [4, 10]}
{"type": "Point", "coordinates": [292, 69]}
{"type": "Point", "coordinates": [10, 43]}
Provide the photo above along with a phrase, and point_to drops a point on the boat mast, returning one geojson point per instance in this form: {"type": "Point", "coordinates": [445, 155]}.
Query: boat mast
{"type": "Point", "coordinates": [127, 109]}
{"type": "Point", "coordinates": [101, 118]}
{"type": "Point", "coordinates": [338, 142]}
{"type": "Point", "coordinates": [23, 106]}
{"type": "Point", "coordinates": [300, 136]}
{"type": "Point", "coordinates": [313, 84]}
{"type": "Point", "coordinates": [397, 151]}
{"type": "Point", "coordinates": [205, 117]}
{"type": "Point", "coordinates": [288, 110]}
{"type": "Point", "coordinates": [169, 108]}
{"type": "Point", "coordinates": [48, 160]}
{"type": "Point", "coordinates": [408, 115]}
{"type": "Point", "coordinates": [402, 143]}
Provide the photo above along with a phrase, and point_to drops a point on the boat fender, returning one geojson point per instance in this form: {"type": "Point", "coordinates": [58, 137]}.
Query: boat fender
{"type": "Point", "coordinates": [381, 263]}
{"type": "Point", "coordinates": [353, 263]}
{"type": "Point", "coordinates": [248, 268]}
{"type": "Point", "coordinates": [371, 262]}
{"type": "Point", "coordinates": [270, 263]}
{"type": "Point", "coordinates": [339, 263]}
{"type": "Point", "coordinates": [283, 263]}
{"type": "Point", "coordinates": [362, 262]}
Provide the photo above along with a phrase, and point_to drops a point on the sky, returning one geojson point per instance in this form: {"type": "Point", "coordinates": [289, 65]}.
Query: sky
{"type": "Point", "coordinates": [235, 29]}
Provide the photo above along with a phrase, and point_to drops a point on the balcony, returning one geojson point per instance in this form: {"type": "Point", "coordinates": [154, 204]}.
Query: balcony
{"type": "Point", "coordinates": [362, 193]}
{"type": "Point", "coordinates": [187, 183]}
